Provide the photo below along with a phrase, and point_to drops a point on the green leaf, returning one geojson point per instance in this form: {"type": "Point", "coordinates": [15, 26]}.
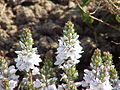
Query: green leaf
{"type": "Point", "coordinates": [117, 18]}
{"type": "Point", "coordinates": [84, 1]}
{"type": "Point", "coordinates": [86, 18]}
{"type": "Point", "coordinates": [117, 5]}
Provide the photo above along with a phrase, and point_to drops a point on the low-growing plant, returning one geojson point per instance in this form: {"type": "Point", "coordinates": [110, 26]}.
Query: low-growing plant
{"type": "Point", "coordinates": [102, 74]}
{"type": "Point", "coordinates": [68, 53]}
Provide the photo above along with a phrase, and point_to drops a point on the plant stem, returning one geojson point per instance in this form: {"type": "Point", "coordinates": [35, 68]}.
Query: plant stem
{"type": "Point", "coordinates": [31, 81]}
{"type": "Point", "coordinates": [97, 18]}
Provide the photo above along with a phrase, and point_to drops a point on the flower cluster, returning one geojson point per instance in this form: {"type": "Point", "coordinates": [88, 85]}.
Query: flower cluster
{"type": "Point", "coordinates": [69, 50]}
{"type": "Point", "coordinates": [102, 75]}
{"type": "Point", "coordinates": [8, 79]}
{"type": "Point", "coordinates": [12, 73]}
{"type": "Point", "coordinates": [94, 83]}
{"type": "Point", "coordinates": [28, 62]}
{"type": "Point", "coordinates": [27, 58]}
{"type": "Point", "coordinates": [68, 53]}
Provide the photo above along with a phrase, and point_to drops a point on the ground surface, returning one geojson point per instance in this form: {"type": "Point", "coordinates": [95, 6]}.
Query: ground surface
{"type": "Point", "coordinates": [46, 20]}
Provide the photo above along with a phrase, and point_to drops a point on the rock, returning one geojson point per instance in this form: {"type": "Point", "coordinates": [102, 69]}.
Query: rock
{"type": "Point", "coordinates": [12, 29]}
{"type": "Point", "coordinates": [49, 54]}
{"type": "Point", "coordinates": [49, 5]}
{"type": "Point", "coordinates": [53, 45]}
{"type": "Point", "coordinates": [56, 13]}
{"type": "Point", "coordinates": [6, 16]}
{"type": "Point", "coordinates": [3, 35]}
{"type": "Point", "coordinates": [49, 28]}
{"type": "Point", "coordinates": [40, 12]}
{"type": "Point", "coordinates": [47, 43]}
{"type": "Point", "coordinates": [24, 15]}
{"type": "Point", "coordinates": [71, 4]}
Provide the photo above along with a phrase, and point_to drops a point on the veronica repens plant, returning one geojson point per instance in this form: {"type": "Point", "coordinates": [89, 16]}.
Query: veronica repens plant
{"type": "Point", "coordinates": [28, 59]}
{"type": "Point", "coordinates": [103, 75]}
{"type": "Point", "coordinates": [47, 78]}
{"type": "Point", "coordinates": [38, 75]}
{"type": "Point", "coordinates": [68, 53]}
{"type": "Point", "coordinates": [8, 79]}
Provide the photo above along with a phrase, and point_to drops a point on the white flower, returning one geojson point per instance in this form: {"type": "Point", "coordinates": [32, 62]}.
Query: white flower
{"type": "Point", "coordinates": [11, 73]}
{"type": "Point", "coordinates": [117, 86]}
{"type": "Point", "coordinates": [101, 86]}
{"type": "Point", "coordinates": [50, 87]}
{"type": "Point", "coordinates": [88, 77]}
{"type": "Point", "coordinates": [12, 84]}
{"type": "Point", "coordinates": [61, 87]}
{"type": "Point", "coordinates": [37, 83]}
{"type": "Point", "coordinates": [52, 79]}
{"type": "Point", "coordinates": [26, 60]}
{"type": "Point", "coordinates": [35, 71]}
{"type": "Point", "coordinates": [12, 69]}
{"type": "Point", "coordinates": [25, 80]}
{"type": "Point", "coordinates": [70, 63]}
{"type": "Point", "coordinates": [1, 76]}
{"type": "Point", "coordinates": [64, 86]}
{"type": "Point", "coordinates": [1, 85]}
{"type": "Point", "coordinates": [66, 51]}
{"type": "Point", "coordinates": [92, 81]}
